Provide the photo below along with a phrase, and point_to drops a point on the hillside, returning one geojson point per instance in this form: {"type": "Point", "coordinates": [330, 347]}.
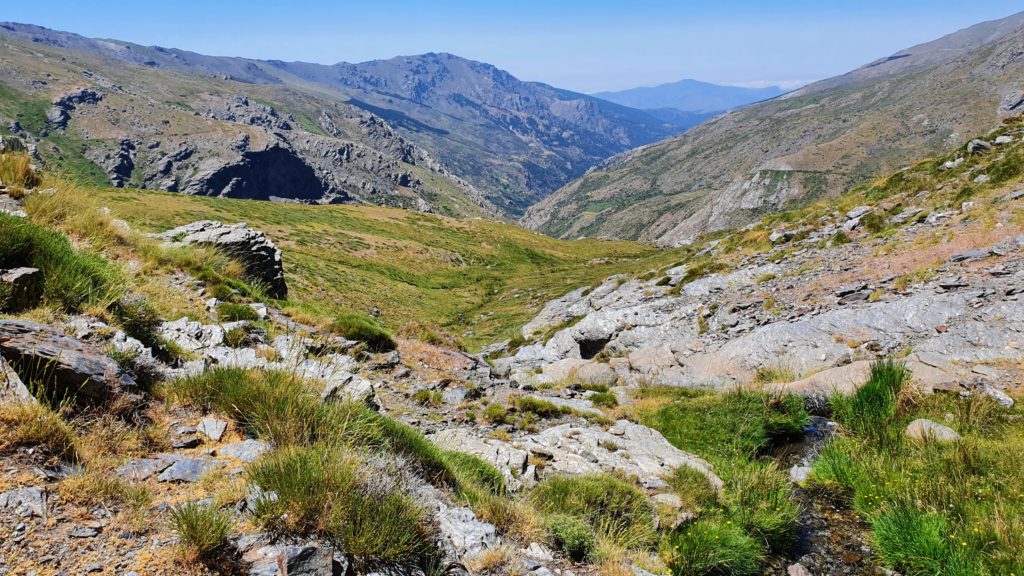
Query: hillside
{"type": "Point", "coordinates": [690, 96]}
{"type": "Point", "coordinates": [815, 142]}
{"type": "Point", "coordinates": [432, 131]}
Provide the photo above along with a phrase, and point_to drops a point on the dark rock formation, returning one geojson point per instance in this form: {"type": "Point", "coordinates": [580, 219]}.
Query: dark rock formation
{"type": "Point", "coordinates": [262, 260]}
{"type": "Point", "coordinates": [20, 289]}
{"type": "Point", "coordinates": [64, 367]}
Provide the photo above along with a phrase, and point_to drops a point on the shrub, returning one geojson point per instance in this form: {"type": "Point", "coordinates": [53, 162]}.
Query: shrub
{"type": "Point", "coordinates": [571, 536]}
{"type": "Point", "coordinates": [363, 329]}
{"type": "Point", "coordinates": [71, 279]}
{"type": "Point", "coordinates": [604, 399]}
{"type": "Point", "coordinates": [713, 547]}
{"type": "Point", "coordinates": [203, 530]}
{"type": "Point", "coordinates": [231, 312]}
{"type": "Point", "coordinates": [615, 509]}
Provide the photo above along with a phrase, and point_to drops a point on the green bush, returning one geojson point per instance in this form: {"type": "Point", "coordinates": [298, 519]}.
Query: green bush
{"type": "Point", "coordinates": [363, 329]}
{"type": "Point", "coordinates": [713, 547]}
{"type": "Point", "coordinates": [615, 509]}
{"type": "Point", "coordinates": [571, 536]}
{"type": "Point", "coordinates": [202, 529]}
{"type": "Point", "coordinates": [71, 279]}
{"type": "Point", "coordinates": [231, 312]}
{"type": "Point", "coordinates": [495, 414]}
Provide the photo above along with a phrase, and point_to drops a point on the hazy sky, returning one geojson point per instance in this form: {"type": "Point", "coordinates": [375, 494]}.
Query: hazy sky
{"type": "Point", "coordinates": [585, 45]}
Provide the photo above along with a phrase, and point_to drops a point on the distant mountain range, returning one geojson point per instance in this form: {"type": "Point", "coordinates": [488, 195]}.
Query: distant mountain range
{"type": "Point", "coordinates": [814, 142]}
{"type": "Point", "coordinates": [690, 96]}
{"type": "Point", "coordinates": [432, 131]}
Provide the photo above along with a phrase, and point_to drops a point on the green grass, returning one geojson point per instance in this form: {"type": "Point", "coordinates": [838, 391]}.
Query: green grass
{"type": "Point", "coordinates": [231, 312]}
{"type": "Point", "coordinates": [572, 536]}
{"type": "Point", "coordinates": [604, 400]}
{"type": "Point", "coordinates": [613, 508]}
{"type": "Point", "coordinates": [202, 529]}
{"type": "Point", "coordinates": [321, 491]}
{"type": "Point", "coordinates": [363, 329]}
{"type": "Point", "coordinates": [933, 508]}
{"type": "Point", "coordinates": [72, 279]}
{"type": "Point", "coordinates": [756, 514]}
{"type": "Point", "coordinates": [464, 276]}
{"type": "Point", "coordinates": [138, 318]}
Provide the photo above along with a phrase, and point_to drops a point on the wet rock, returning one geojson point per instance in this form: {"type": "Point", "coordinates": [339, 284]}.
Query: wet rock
{"type": "Point", "coordinates": [64, 366]}
{"type": "Point", "coordinates": [924, 429]}
{"type": "Point", "coordinates": [20, 289]}
{"type": "Point", "coordinates": [262, 260]}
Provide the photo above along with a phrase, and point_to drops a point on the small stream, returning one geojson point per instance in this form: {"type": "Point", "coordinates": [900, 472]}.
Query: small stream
{"type": "Point", "coordinates": [832, 540]}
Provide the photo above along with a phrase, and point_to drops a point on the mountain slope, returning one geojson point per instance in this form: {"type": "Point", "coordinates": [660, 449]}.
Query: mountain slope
{"type": "Point", "coordinates": [515, 141]}
{"type": "Point", "coordinates": [814, 142]}
{"type": "Point", "coordinates": [690, 96]}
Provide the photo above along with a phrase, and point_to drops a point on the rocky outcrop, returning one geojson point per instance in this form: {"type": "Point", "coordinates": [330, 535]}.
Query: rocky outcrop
{"type": "Point", "coordinates": [64, 367]}
{"type": "Point", "coordinates": [262, 260]}
{"type": "Point", "coordinates": [59, 114]}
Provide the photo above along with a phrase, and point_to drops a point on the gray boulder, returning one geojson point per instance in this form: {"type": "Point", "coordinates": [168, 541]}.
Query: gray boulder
{"type": "Point", "coordinates": [212, 428]}
{"type": "Point", "coordinates": [188, 470]}
{"type": "Point", "coordinates": [294, 559]}
{"type": "Point", "coordinates": [262, 260]}
{"type": "Point", "coordinates": [924, 429]}
{"type": "Point", "coordinates": [247, 450]}
{"type": "Point", "coordinates": [20, 289]}
{"type": "Point", "coordinates": [460, 527]}
{"type": "Point", "coordinates": [978, 147]}
{"type": "Point", "coordinates": [64, 366]}
{"type": "Point", "coordinates": [29, 501]}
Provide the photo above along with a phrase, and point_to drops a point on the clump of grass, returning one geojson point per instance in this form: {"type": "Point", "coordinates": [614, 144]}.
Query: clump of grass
{"type": "Point", "coordinates": [319, 491]}
{"type": "Point", "coordinates": [538, 407]}
{"type": "Point", "coordinates": [426, 397]}
{"type": "Point", "coordinates": [875, 403]}
{"type": "Point", "coordinates": [766, 278]}
{"type": "Point", "coordinates": [202, 530]}
{"type": "Point", "coordinates": [713, 547]}
{"type": "Point", "coordinates": [363, 329]}
{"type": "Point", "coordinates": [33, 424]}
{"type": "Point", "coordinates": [16, 171]}
{"type": "Point", "coordinates": [875, 222]}
{"type": "Point", "coordinates": [572, 536]}
{"type": "Point", "coordinates": [71, 279]}
{"type": "Point", "coordinates": [774, 374]}
{"type": "Point", "coordinates": [138, 317]}
{"type": "Point", "coordinates": [479, 476]}
{"type": "Point", "coordinates": [428, 333]}
{"type": "Point", "coordinates": [604, 399]}
{"type": "Point", "coordinates": [616, 510]}
{"type": "Point", "coordinates": [840, 238]}
{"type": "Point", "coordinates": [495, 414]}
{"type": "Point", "coordinates": [232, 312]}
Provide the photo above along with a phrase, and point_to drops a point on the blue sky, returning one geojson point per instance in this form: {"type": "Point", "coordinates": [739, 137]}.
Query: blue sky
{"type": "Point", "coordinates": [581, 45]}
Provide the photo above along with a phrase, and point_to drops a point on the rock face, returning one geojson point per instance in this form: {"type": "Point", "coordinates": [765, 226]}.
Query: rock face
{"type": "Point", "coordinates": [20, 289]}
{"type": "Point", "coordinates": [63, 366]}
{"type": "Point", "coordinates": [12, 389]}
{"type": "Point", "coordinates": [262, 260]}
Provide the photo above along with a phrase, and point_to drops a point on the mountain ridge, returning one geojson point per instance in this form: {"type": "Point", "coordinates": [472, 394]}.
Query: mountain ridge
{"type": "Point", "coordinates": [690, 95]}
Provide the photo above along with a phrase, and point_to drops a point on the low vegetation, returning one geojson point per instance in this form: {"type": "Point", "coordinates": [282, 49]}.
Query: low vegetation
{"type": "Point", "coordinates": [202, 531]}
{"type": "Point", "coordinates": [363, 329]}
{"type": "Point", "coordinates": [934, 508]}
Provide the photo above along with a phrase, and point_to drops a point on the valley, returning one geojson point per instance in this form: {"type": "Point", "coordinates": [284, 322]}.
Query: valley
{"type": "Point", "coordinates": [417, 317]}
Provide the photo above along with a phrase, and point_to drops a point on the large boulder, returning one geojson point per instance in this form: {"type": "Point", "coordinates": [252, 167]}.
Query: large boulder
{"type": "Point", "coordinates": [64, 366]}
{"type": "Point", "coordinates": [262, 260]}
{"type": "Point", "coordinates": [20, 289]}
{"type": "Point", "coordinates": [923, 429]}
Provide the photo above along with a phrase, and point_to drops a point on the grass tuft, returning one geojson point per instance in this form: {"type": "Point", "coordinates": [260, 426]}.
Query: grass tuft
{"type": "Point", "coordinates": [362, 329]}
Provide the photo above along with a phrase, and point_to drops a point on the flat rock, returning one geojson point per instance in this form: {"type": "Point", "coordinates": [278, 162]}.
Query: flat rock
{"type": "Point", "coordinates": [468, 535]}
{"type": "Point", "coordinates": [247, 450]}
{"type": "Point", "coordinates": [188, 470]}
{"type": "Point", "coordinates": [212, 428]}
{"type": "Point", "coordinates": [143, 468]}
{"type": "Point", "coordinates": [924, 429]}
